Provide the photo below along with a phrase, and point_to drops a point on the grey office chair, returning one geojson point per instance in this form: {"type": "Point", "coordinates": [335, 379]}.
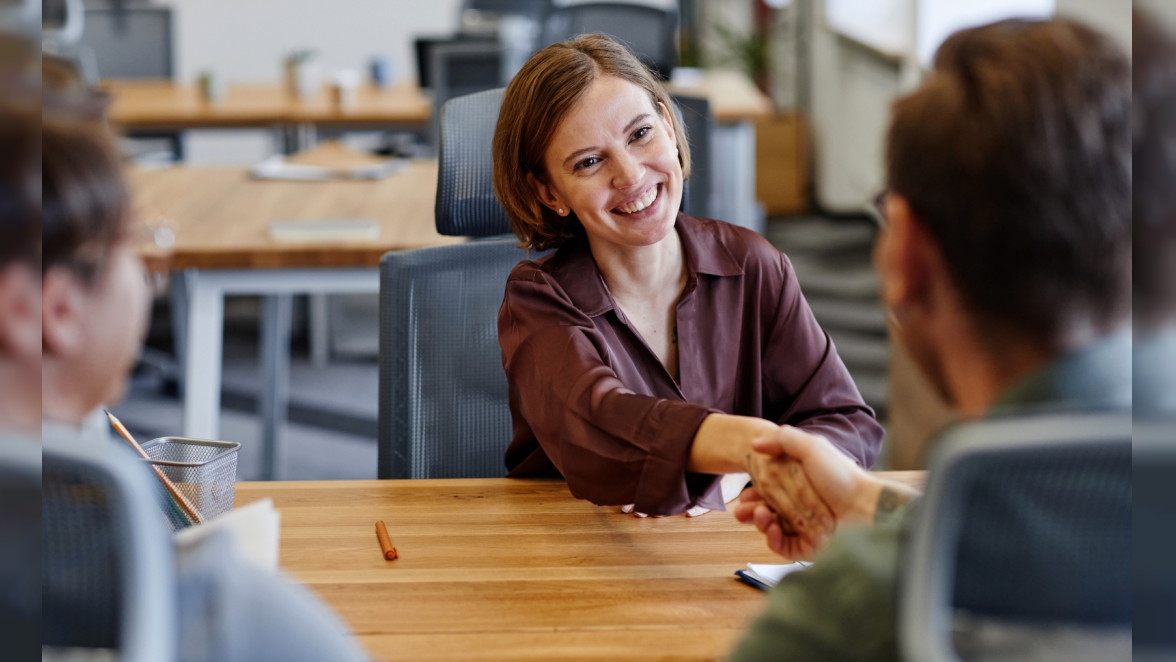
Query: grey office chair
{"type": "Point", "coordinates": [1022, 550]}
{"type": "Point", "coordinates": [443, 394]}
{"type": "Point", "coordinates": [1153, 459]}
{"type": "Point", "coordinates": [650, 32]}
{"type": "Point", "coordinates": [107, 568]}
{"type": "Point", "coordinates": [695, 114]}
{"type": "Point", "coordinates": [20, 546]}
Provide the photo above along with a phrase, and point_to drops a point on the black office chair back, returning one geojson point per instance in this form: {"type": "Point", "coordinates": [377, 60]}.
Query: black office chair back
{"type": "Point", "coordinates": [443, 408]}
{"type": "Point", "coordinates": [650, 32]}
{"type": "Point", "coordinates": [466, 205]}
{"type": "Point", "coordinates": [1025, 521]}
{"type": "Point", "coordinates": [700, 123]}
{"type": "Point", "coordinates": [20, 546]}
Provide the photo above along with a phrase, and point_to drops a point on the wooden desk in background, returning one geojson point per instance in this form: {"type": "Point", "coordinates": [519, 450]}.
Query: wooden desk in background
{"type": "Point", "coordinates": [156, 105]}
{"type": "Point", "coordinates": [165, 105]}
{"type": "Point", "coordinates": [221, 219]}
{"type": "Point", "coordinates": [501, 569]}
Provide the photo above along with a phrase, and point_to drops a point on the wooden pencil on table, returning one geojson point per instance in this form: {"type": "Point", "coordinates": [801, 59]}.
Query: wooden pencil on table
{"type": "Point", "coordinates": [385, 542]}
{"type": "Point", "coordinates": [189, 510]}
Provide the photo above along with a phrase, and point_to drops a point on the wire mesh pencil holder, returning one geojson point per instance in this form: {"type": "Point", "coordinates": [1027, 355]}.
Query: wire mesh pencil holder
{"type": "Point", "coordinates": [203, 471]}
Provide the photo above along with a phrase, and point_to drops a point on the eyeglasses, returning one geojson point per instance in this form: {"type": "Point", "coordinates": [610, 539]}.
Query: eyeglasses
{"type": "Point", "coordinates": [879, 207]}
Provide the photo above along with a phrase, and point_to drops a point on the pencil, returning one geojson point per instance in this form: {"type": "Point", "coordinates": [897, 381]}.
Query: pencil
{"type": "Point", "coordinates": [189, 511]}
{"type": "Point", "coordinates": [385, 542]}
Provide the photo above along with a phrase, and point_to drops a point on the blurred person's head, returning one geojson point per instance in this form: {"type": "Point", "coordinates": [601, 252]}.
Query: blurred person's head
{"type": "Point", "coordinates": [1009, 214]}
{"type": "Point", "coordinates": [1153, 86]}
{"type": "Point", "coordinates": [577, 95]}
{"type": "Point", "coordinates": [94, 293]}
{"type": "Point", "coordinates": [20, 234]}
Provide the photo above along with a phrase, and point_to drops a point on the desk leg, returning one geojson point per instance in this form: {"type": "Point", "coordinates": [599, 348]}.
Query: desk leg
{"type": "Point", "coordinates": [203, 357]}
{"type": "Point", "coordinates": [179, 318]}
{"type": "Point", "coordinates": [320, 329]}
{"type": "Point", "coordinates": [274, 379]}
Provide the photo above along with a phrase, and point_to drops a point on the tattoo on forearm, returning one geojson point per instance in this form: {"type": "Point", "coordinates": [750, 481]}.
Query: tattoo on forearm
{"type": "Point", "coordinates": [889, 500]}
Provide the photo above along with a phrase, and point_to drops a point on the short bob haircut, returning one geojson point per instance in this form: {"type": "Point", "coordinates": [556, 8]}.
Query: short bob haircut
{"type": "Point", "coordinates": [536, 101]}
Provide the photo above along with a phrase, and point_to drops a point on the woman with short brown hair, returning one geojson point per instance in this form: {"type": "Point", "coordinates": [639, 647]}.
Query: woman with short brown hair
{"type": "Point", "coordinates": [651, 348]}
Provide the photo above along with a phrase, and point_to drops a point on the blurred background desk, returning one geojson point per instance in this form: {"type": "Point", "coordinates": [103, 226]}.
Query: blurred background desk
{"type": "Point", "coordinates": [517, 569]}
{"type": "Point", "coordinates": [221, 218]}
{"type": "Point", "coordinates": [153, 105]}
{"type": "Point", "coordinates": [736, 104]}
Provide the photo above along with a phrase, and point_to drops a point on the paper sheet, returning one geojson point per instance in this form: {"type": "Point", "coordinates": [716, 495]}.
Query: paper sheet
{"type": "Point", "coordinates": [772, 573]}
{"type": "Point", "coordinates": [255, 529]}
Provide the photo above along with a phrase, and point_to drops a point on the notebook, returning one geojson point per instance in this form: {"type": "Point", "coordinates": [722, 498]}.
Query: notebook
{"type": "Point", "coordinates": [766, 575]}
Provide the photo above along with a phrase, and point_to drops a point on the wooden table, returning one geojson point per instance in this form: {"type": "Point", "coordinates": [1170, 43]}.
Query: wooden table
{"type": "Point", "coordinates": [221, 218]}
{"type": "Point", "coordinates": [501, 569]}
{"type": "Point", "coordinates": [164, 104]}
{"type": "Point", "coordinates": [732, 95]}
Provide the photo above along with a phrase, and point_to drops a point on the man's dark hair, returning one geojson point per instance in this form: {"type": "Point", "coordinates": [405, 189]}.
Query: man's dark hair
{"type": "Point", "coordinates": [86, 204]}
{"type": "Point", "coordinates": [1015, 155]}
{"type": "Point", "coordinates": [20, 152]}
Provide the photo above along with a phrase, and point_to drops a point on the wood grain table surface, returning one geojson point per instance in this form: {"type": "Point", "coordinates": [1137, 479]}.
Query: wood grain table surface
{"type": "Point", "coordinates": [166, 104]}
{"type": "Point", "coordinates": [221, 216]}
{"type": "Point", "coordinates": [732, 95]}
{"type": "Point", "coordinates": [502, 569]}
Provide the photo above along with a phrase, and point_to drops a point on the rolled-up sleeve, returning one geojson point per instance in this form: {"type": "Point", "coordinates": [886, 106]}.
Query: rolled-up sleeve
{"type": "Point", "coordinates": [612, 445]}
{"type": "Point", "coordinates": [805, 382]}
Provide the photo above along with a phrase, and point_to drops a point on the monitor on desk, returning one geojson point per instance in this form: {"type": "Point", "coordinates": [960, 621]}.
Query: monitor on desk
{"type": "Point", "coordinates": [131, 42]}
{"type": "Point", "coordinates": [424, 47]}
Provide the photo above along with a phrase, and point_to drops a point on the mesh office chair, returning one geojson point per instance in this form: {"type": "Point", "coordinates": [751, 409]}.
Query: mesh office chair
{"type": "Point", "coordinates": [696, 115]}
{"type": "Point", "coordinates": [20, 547]}
{"type": "Point", "coordinates": [443, 393]}
{"type": "Point", "coordinates": [107, 568]}
{"type": "Point", "coordinates": [1153, 458]}
{"type": "Point", "coordinates": [650, 32]}
{"type": "Point", "coordinates": [1021, 550]}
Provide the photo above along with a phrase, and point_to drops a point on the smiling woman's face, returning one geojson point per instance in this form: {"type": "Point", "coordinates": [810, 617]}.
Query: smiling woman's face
{"type": "Point", "coordinates": [613, 162]}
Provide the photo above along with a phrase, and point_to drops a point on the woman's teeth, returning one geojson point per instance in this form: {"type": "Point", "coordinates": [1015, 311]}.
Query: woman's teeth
{"type": "Point", "coordinates": [641, 203]}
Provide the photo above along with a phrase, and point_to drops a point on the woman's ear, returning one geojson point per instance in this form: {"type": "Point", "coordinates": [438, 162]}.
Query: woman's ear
{"type": "Point", "coordinates": [547, 196]}
{"type": "Point", "coordinates": [669, 121]}
{"type": "Point", "coordinates": [63, 313]}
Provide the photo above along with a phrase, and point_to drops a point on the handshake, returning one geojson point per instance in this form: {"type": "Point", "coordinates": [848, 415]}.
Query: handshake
{"type": "Point", "coordinates": [803, 487]}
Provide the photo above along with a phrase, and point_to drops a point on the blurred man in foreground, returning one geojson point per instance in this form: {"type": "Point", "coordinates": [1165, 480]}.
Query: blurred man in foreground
{"type": "Point", "coordinates": [1005, 261]}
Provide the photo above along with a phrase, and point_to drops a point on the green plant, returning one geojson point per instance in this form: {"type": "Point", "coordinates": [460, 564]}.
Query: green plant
{"type": "Point", "coordinates": [749, 52]}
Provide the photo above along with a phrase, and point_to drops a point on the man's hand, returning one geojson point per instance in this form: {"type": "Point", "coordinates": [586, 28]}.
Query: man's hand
{"type": "Point", "coordinates": [783, 486]}
{"type": "Point", "coordinates": [849, 492]}
{"type": "Point", "coordinates": [781, 537]}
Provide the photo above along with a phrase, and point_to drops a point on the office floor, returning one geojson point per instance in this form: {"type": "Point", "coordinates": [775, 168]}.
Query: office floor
{"type": "Point", "coordinates": [332, 428]}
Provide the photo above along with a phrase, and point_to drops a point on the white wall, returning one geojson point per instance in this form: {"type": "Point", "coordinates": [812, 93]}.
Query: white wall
{"type": "Point", "coordinates": [852, 88]}
{"type": "Point", "coordinates": [245, 40]}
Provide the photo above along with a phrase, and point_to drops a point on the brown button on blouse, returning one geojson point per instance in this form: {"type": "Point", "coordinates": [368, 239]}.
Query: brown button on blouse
{"type": "Point", "coordinates": [591, 402]}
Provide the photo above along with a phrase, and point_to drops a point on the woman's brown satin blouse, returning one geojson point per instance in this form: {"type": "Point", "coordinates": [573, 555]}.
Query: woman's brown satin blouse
{"type": "Point", "coordinates": [591, 402]}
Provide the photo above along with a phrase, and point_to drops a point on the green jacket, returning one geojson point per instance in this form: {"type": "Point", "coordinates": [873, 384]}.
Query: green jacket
{"type": "Point", "coordinates": [844, 608]}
